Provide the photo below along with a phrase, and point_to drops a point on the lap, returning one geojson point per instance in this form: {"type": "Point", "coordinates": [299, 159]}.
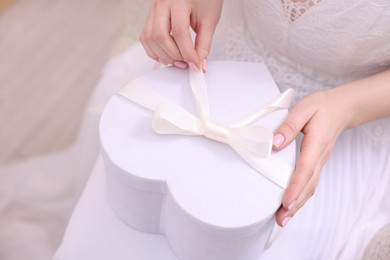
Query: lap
{"type": "Point", "coordinates": [340, 219]}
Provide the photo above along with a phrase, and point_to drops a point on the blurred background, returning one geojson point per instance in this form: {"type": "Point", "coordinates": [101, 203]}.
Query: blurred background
{"type": "Point", "coordinates": [52, 57]}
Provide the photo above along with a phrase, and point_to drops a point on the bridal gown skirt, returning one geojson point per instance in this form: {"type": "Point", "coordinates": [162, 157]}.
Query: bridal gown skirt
{"type": "Point", "coordinates": [351, 202]}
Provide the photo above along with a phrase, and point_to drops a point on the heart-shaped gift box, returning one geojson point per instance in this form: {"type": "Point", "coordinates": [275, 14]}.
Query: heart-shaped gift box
{"type": "Point", "coordinates": [206, 199]}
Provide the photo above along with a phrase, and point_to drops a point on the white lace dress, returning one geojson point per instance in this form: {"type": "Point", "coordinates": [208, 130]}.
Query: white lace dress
{"type": "Point", "coordinates": [307, 45]}
{"type": "Point", "coordinates": [310, 45]}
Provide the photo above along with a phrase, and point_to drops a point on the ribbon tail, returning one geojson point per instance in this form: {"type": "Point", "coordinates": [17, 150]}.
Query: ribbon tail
{"type": "Point", "coordinates": [271, 167]}
{"type": "Point", "coordinates": [142, 95]}
{"type": "Point", "coordinates": [283, 101]}
{"type": "Point", "coordinates": [199, 89]}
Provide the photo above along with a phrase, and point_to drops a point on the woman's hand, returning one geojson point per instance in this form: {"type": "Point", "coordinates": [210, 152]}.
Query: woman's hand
{"type": "Point", "coordinates": [166, 37]}
{"type": "Point", "coordinates": [321, 117]}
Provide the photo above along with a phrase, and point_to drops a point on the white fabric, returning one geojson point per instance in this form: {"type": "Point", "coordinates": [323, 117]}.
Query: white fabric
{"type": "Point", "coordinates": [330, 43]}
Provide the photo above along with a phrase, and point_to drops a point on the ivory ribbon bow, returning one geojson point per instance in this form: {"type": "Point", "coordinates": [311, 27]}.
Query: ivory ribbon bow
{"type": "Point", "coordinates": [252, 142]}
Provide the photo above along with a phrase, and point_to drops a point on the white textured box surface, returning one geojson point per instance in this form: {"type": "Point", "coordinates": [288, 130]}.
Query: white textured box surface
{"type": "Point", "coordinates": [207, 201]}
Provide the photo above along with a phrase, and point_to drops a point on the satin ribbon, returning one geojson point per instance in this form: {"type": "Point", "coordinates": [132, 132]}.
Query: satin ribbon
{"type": "Point", "coordinates": [252, 142]}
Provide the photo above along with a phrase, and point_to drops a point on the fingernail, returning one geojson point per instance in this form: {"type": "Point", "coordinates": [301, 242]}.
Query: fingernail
{"type": "Point", "coordinates": [292, 205]}
{"type": "Point", "coordinates": [278, 140]}
{"type": "Point", "coordinates": [204, 65]}
{"type": "Point", "coordinates": [164, 63]}
{"type": "Point", "coordinates": [180, 64]}
{"type": "Point", "coordinates": [285, 221]}
{"type": "Point", "coordinates": [193, 67]}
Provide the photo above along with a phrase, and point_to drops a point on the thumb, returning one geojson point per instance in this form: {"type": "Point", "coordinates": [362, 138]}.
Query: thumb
{"type": "Point", "coordinates": [290, 128]}
{"type": "Point", "coordinates": [203, 41]}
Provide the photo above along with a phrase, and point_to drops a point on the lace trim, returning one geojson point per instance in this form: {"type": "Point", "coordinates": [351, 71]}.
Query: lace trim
{"type": "Point", "coordinates": [296, 8]}
{"type": "Point", "coordinates": [236, 43]}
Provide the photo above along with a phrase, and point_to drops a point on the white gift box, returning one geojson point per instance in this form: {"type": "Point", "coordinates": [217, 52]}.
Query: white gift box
{"type": "Point", "coordinates": [206, 199]}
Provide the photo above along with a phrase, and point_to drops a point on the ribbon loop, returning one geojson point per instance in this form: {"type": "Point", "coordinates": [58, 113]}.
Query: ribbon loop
{"type": "Point", "coordinates": [255, 139]}
{"type": "Point", "coordinates": [252, 142]}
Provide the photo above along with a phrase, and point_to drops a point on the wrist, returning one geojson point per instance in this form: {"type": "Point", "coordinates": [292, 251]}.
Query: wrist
{"type": "Point", "coordinates": [344, 106]}
{"type": "Point", "coordinates": [364, 100]}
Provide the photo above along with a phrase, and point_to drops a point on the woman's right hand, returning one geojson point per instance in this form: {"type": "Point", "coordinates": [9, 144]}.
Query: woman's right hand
{"type": "Point", "coordinates": [166, 36]}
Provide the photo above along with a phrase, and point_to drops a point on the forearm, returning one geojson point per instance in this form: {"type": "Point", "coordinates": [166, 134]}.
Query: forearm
{"type": "Point", "coordinates": [364, 100]}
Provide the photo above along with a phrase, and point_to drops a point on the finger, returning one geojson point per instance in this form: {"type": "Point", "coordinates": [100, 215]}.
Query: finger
{"type": "Point", "coordinates": [283, 215]}
{"type": "Point", "coordinates": [203, 41]}
{"type": "Point", "coordinates": [180, 32]}
{"type": "Point", "coordinates": [308, 190]}
{"type": "Point", "coordinates": [148, 40]}
{"type": "Point", "coordinates": [163, 57]}
{"type": "Point", "coordinates": [162, 37]}
{"type": "Point", "coordinates": [311, 153]}
{"type": "Point", "coordinates": [311, 186]}
{"type": "Point", "coordinates": [149, 51]}
{"type": "Point", "coordinates": [146, 37]}
{"type": "Point", "coordinates": [290, 128]}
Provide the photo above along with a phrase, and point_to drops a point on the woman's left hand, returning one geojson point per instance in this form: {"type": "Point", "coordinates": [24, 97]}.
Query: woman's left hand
{"type": "Point", "coordinates": [321, 117]}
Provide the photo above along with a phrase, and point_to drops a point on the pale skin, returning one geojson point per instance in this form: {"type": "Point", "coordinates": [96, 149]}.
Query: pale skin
{"type": "Point", "coordinates": [321, 116]}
